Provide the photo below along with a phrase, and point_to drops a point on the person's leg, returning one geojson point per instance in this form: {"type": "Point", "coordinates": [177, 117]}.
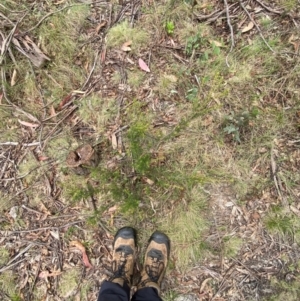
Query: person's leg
{"type": "Point", "coordinates": [124, 253]}
{"type": "Point", "coordinates": [146, 294]}
{"type": "Point", "coordinates": [155, 265]}
{"type": "Point", "coordinates": [113, 292]}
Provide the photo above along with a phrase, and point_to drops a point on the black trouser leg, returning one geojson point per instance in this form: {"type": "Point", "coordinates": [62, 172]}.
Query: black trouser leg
{"type": "Point", "coordinates": [113, 292]}
{"type": "Point", "coordinates": [146, 294]}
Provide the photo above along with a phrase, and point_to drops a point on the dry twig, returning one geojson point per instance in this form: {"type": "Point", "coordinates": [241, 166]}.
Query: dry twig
{"type": "Point", "coordinates": [271, 10]}
{"type": "Point", "coordinates": [276, 180]}
{"type": "Point", "coordinates": [231, 30]}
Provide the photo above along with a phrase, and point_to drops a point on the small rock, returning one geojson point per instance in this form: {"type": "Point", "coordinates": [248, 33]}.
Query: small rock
{"type": "Point", "coordinates": [13, 212]}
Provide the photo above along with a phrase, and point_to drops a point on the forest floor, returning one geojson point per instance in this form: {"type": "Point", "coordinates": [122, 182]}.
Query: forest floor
{"type": "Point", "coordinates": [177, 115]}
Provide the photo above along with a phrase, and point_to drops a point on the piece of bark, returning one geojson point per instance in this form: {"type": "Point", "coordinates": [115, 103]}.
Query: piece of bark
{"type": "Point", "coordinates": [81, 159]}
{"type": "Point", "coordinates": [28, 48]}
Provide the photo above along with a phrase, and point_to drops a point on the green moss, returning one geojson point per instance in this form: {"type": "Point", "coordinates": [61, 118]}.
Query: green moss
{"type": "Point", "coordinates": [30, 167]}
{"type": "Point", "coordinates": [68, 283]}
{"type": "Point", "coordinates": [4, 256]}
{"type": "Point", "coordinates": [59, 147]}
{"type": "Point", "coordinates": [8, 284]}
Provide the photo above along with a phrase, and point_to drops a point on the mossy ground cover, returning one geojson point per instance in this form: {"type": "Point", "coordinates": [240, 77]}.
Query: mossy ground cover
{"type": "Point", "coordinates": [205, 146]}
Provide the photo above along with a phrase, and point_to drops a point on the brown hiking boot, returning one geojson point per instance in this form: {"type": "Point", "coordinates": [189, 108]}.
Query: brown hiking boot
{"type": "Point", "coordinates": [124, 254]}
{"type": "Point", "coordinates": [156, 259]}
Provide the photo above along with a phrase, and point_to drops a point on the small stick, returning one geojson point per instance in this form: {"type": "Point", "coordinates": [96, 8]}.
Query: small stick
{"type": "Point", "coordinates": [91, 72]}
{"type": "Point", "coordinates": [42, 229]}
{"type": "Point", "coordinates": [17, 143]}
{"type": "Point", "coordinates": [121, 129]}
{"type": "Point", "coordinates": [231, 31]}
{"type": "Point", "coordinates": [268, 8]}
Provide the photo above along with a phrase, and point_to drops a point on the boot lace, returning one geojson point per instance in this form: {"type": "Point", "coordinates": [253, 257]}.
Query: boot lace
{"type": "Point", "coordinates": [153, 271]}
{"type": "Point", "coordinates": [119, 265]}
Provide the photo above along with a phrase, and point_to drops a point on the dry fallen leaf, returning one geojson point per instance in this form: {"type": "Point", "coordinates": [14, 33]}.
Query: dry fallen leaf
{"type": "Point", "coordinates": [55, 234]}
{"type": "Point", "coordinates": [65, 100]}
{"type": "Point", "coordinates": [43, 158]}
{"type": "Point", "coordinates": [143, 66]}
{"type": "Point", "coordinates": [216, 43]}
{"type": "Point", "coordinates": [149, 181]}
{"type": "Point", "coordinates": [114, 141]}
{"type": "Point", "coordinates": [130, 61]}
{"type": "Point", "coordinates": [113, 209]}
{"type": "Point", "coordinates": [52, 111]}
{"type": "Point", "coordinates": [248, 27]}
{"type": "Point", "coordinates": [29, 124]}
{"type": "Point", "coordinates": [125, 47]}
{"type": "Point", "coordinates": [295, 210]}
{"type": "Point", "coordinates": [13, 78]}
{"type": "Point", "coordinates": [77, 244]}
{"type": "Point", "coordinates": [46, 274]}
{"type": "Point", "coordinates": [100, 26]}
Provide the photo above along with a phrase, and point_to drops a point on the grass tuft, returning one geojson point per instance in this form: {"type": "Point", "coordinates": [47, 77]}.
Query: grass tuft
{"type": "Point", "coordinates": [4, 256]}
{"type": "Point", "coordinates": [123, 32]}
{"type": "Point", "coordinates": [186, 227]}
{"type": "Point", "coordinates": [97, 111]}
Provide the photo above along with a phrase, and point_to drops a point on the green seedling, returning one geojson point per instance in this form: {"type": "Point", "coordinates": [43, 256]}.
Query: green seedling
{"type": "Point", "coordinates": [170, 27]}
